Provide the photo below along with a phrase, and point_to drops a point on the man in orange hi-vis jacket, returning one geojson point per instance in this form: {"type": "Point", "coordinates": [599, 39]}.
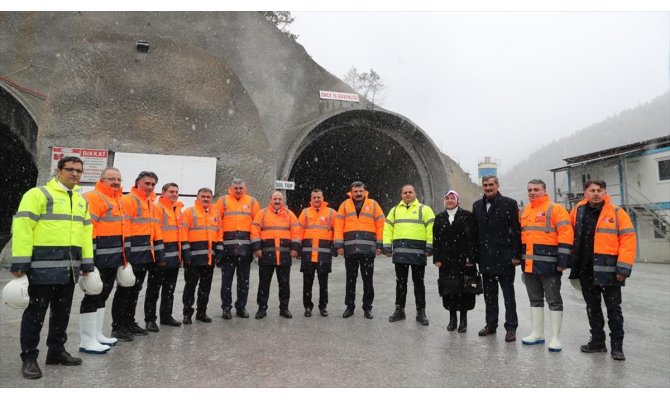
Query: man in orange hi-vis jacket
{"type": "Point", "coordinates": [359, 231]}
{"type": "Point", "coordinates": [275, 240]}
{"type": "Point", "coordinates": [602, 259]}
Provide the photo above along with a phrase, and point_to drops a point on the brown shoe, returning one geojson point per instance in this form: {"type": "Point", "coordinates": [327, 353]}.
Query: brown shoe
{"type": "Point", "coordinates": [510, 336]}
{"type": "Point", "coordinates": [487, 330]}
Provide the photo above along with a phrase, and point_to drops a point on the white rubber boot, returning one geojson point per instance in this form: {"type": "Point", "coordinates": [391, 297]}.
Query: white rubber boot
{"type": "Point", "coordinates": [100, 319]}
{"type": "Point", "coordinates": [537, 334]}
{"type": "Point", "coordinates": [556, 322]}
{"type": "Point", "coordinates": [87, 328]}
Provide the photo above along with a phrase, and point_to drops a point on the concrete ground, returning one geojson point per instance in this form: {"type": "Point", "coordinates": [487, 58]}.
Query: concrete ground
{"type": "Point", "coordinates": [356, 352]}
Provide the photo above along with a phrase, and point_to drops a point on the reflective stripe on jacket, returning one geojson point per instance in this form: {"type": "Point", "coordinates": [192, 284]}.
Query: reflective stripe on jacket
{"type": "Point", "coordinates": [111, 227]}
{"type": "Point", "coordinates": [173, 229]}
{"type": "Point", "coordinates": [408, 233]}
{"type": "Point", "coordinates": [359, 234]}
{"type": "Point", "coordinates": [546, 237]}
{"type": "Point", "coordinates": [614, 242]}
{"type": "Point", "coordinates": [205, 235]}
{"type": "Point", "coordinates": [276, 234]}
{"type": "Point", "coordinates": [52, 235]}
{"type": "Point", "coordinates": [146, 238]}
{"type": "Point", "coordinates": [316, 232]}
{"type": "Point", "coordinates": [237, 217]}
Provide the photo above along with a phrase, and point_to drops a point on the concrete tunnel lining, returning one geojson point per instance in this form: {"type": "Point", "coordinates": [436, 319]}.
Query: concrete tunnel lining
{"type": "Point", "coordinates": [378, 148]}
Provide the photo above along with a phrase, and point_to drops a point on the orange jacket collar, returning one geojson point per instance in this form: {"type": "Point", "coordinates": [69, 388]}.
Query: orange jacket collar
{"type": "Point", "coordinates": [324, 204]}
{"type": "Point", "coordinates": [107, 190]}
{"type": "Point", "coordinates": [272, 209]}
{"type": "Point", "coordinates": [168, 203]}
{"type": "Point", "coordinates": [232, 192]}
{"type": "Point", "coordinates": [199, 205]}
{"type": "Point", "coordinates": [142, 194]}
{"type": "Point", "coordinates": [540, 200]}
{"type": "Point", "coordinates": [607, 200]}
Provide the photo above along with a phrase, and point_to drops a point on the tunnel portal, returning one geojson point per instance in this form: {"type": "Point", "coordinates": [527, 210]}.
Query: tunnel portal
{"type": "Point", "coordinates": [344, 154]}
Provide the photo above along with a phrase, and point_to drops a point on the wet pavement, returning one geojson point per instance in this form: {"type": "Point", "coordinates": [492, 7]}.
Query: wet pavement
{"type": "Point", "coordinates": [357, 352]}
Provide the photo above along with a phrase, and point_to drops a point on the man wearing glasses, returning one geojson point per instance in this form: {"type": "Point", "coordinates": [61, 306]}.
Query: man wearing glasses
{"type": "Point", "coordinates": [146, 248]}
{"type": "Point", "coordinates": [51, 243]}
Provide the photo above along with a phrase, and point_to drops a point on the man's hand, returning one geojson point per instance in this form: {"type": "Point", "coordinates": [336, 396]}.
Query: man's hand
{"type": "Point", "coordinates": [294, 253]}
{"type": "Point", "coordinates": [560, 269]}
{"type": "Point", "coordinates": [340, 252]}
{"type": "Point", "coordinates": [438, 264]}
{"type": "Point", "coordinates": [18, 274]}
{"type": "Point", "coordinates": [621, 277]}
{"type": "Point", "coordinates": [258, 253]}
{"type": "Point", "coordinates": [516, 261]}
{"type": "Point", "coordinates": [378, 252]}
{"type": "Point", "coordinates": [82, 273]}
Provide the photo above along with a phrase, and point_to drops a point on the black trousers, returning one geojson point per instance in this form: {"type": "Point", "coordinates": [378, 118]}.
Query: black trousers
{"type": "Point", "coordinates": [612, 296]}
{"type": "Point", "coordinates": [91, 303]}
{"type": "Point", "coordinates": [308, 283]}
{"type": "Point", "coordinates": [367, 266]}
{"type": "Point", "coordinates": [193, 274]}
{"type": "Point", "coordinates": [230, 264]}
{"type": "Point", "coordinates": [401, 275]}
{"type": "Point", "coordinates": [265, 273]}
{"type": "Point", "coordinates": [59, 299]}
{"type": "Point", "coordinates": [125, 299]}
{"type": "Point", "coordinates": [490, 286]}
{"type": "Point", "coordinates": [161, 281]}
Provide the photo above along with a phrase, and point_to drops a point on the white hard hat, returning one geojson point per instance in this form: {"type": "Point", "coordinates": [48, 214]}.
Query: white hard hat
{"type": "Point", "coordinates": [15, 293]}
{"type": "Point", "coordinates": [576, 284]}
{"type": "Point", "coordinates": [91, 283]}
{"type": "Point", "coordinates": [125, 276]}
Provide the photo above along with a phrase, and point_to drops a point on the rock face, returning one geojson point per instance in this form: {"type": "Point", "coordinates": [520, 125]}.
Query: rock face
{"type": "Point", "coordinates": [216, 84]}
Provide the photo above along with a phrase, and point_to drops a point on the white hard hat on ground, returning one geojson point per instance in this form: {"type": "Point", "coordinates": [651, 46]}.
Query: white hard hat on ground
{"type": "Point", "coordinates": [91, 283]}
{"type": "Point", "coordinates": [15, 293]}
{"type": "Point", "coordinates": [125, 276]}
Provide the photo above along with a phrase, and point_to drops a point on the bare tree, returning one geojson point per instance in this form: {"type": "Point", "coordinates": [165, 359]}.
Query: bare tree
{"type": "Point", "coordinates": [281, 19]}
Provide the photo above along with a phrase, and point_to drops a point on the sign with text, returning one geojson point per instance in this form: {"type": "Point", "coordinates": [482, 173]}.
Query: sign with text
{"type": "Point", "coordinates": [284, 185]}
{"type": "Point", "coordinates": [95, 160]}
{"type": "Point", "coordinates": [338, 96]}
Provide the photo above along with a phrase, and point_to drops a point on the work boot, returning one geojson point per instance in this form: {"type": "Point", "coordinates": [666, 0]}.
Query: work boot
{"type": "Point", "coordinates": [463, 326]}
{"type": "Point", "coordinates": [152, 326]}
{"type": "Point", "coordinates": [536, 336]}
{"type": "Point", "coordinates": [368, 314]}
{"type": "Point", "coordinates": [202, 317]}
{"type": "Point", "coordinates": [556, 322]}
{"type": "Point", "coordinates": [323, 312]}
{"type": "Point", "coordinates": [137, 330]}
{"type": "Point", "coordinates": [170, 321]}
{"type": "Point", "coordinates": [308, 312]}
{"type": "Point", "coordinates": [398, 314]}
{"type": "Point", "coordinates": [487, 330]}
{"type": "Point", "coordinates": [284, 312]}
{"type": "Point", "coordinates": [452, 321]}
{"type": "Point", "coordinates": [31, 370]}
{"type": "Point", "coordinates": [242, 313]}
{"type": "Point", "coordinates": [62, 358]}
{"type": "Point", "coordinates": [187, 320]}
{"type": "Point", "coordinates": [122, 335]}
{"type": "Point", "coordinates": [261, 313]}
{"type": "Point", "coordinates": [100, 321]}
{"type": "Point", "coordinates": [348, 312]}
{"type": "Point", "coordinates": [421, 317]}
{"type": "Point", "coordinates": [510, 336]}
{"type": "Point", "coordinates": [227, 314]}
{"type": "Point", "coordinates": [594, 347]}
{"type": "Point", "coordinates": [617, 351]}
{"type": "Point", "coordinates": [88, 325]}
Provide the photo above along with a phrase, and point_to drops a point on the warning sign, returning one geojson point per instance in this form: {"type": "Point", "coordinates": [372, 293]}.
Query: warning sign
{"type": "Point", "coordinates": [95, 160]}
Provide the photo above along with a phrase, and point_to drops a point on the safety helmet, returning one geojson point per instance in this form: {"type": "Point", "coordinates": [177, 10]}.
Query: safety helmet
{"type": "Point", "coordinates": [91, 283]}
{"type": "Point", "coordinates": [125, 276]}
{"type": "Point", "coordinates": [576, 284]}
{"type": "Point", "coordinates": [15, 293]}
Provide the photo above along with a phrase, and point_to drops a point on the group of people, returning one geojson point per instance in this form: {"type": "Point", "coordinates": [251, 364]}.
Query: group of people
{"type": "Point", "coordinates": [59, 235]}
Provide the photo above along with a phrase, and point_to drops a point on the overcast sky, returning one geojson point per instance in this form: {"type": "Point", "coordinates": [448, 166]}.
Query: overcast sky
{"type": "Point", "coordinates": [498, 84]}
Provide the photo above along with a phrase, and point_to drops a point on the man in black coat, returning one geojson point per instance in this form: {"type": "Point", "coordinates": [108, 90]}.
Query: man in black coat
{"type": "Point", "coordinates": [499, 246]}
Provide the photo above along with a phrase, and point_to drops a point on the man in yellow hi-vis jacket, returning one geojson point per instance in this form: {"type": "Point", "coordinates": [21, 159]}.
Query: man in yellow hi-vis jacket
{"type": "Point", "coordinates": [52, 241]}
{"type": "Point", "coordinates": [408, 235]}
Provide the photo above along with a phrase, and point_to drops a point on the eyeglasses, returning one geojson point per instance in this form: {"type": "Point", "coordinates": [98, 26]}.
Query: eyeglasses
{"type": "Point", "coordinates": [73, 171]}
{"type": "Point", "coordinates": [112, 179]}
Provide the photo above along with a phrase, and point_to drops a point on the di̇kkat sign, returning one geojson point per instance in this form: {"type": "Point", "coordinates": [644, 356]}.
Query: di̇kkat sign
{"type": "Point", "coordinates": [95, 160]}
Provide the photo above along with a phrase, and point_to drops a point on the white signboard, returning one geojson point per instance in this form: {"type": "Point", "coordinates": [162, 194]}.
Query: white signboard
{"type": "Point", "coordinates": [189, 173]}
{"type": "Point", "coordinates": [95, 160]}
{"type": "Point", "coordinates": [284, 185]}
{"type": "Point", "coordinates": [326, 95]}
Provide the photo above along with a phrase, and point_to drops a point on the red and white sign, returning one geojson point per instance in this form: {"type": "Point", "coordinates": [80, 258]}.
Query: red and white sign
{"type": "Point", "coordinates": [95, 160]}
{"type": "Point", "coordinates": [338, 96]}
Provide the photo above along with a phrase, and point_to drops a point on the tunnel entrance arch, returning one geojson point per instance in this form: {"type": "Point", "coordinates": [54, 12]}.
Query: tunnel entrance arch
{"type": "Point", "coordinates": [18, 135]}
{"type": "Point", "coordinates": [382, 149]}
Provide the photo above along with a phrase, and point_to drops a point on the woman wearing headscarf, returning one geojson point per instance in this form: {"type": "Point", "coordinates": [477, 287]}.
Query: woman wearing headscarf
{"type": "Point", "coordinates": [454, 252]}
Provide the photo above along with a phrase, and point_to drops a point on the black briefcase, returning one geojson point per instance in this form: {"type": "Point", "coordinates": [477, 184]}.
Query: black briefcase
{"type": "Point", "coordinates": [473, 284]}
